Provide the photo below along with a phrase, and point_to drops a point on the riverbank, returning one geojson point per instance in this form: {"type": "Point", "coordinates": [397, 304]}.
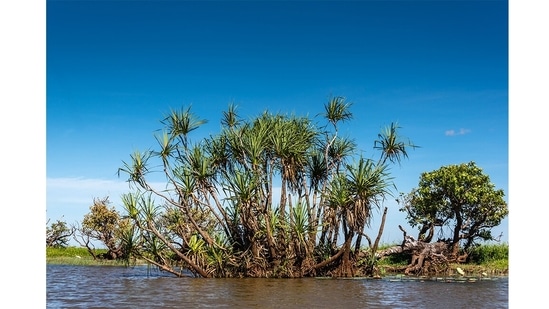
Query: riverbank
{"type": "Point", "coordinates": [489, 261]}
{"type": "Point", "coordinates": [77, 256]}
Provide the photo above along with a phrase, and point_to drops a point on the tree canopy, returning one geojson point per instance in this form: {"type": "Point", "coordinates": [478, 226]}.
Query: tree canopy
{"type": "Point", "coordinates": [458, 203]}
{"type": "Point", "coordinates": [58, 234]}
{"type": "Point", "coordinates": [104, 224]}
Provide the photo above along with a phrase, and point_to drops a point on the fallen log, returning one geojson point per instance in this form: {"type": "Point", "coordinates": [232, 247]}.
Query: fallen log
{"type": "Point", "coordinates": [425, 257]}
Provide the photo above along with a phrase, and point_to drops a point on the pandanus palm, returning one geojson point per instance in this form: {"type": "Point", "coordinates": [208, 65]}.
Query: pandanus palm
{"type": "Point", "coordinates": [160, 241]}
{"type": "Point", "coordinates": [317, 175]}
{"type": "Point", "coordinates": [336, 110]}
{"type": "Point", "coordinates": [340, 151]}
{"type": "Point", "coordinates": [242, 191]}
{"type": "Point", "coordinates": [247, 147]}
{"type": "Point", "coordinates": [391, 145]}
{"type": "Point", "coordinates": [300, 231]}
{"type": "Point", "coordinates": [336, 198]}
{"type": "Point", "coordinates": [369, 185]}
{"type": "Point", "coordinates": [244, 160]}
{"type": "Point", "coordinates": [291, 140]}
{"type": "Point", "coordinates": [180, 123]}
{"type": "Point", "coordinates": [230, 118]}
{"type": "Point", "coordinates": [137, 168]}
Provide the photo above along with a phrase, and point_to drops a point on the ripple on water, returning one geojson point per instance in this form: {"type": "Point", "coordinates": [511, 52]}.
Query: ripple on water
{"type": "Point", "coordinates": [142, 287]}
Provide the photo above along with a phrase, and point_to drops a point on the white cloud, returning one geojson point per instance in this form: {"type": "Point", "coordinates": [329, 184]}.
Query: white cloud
{"type": "Point", "coordinates": [84, 184]}
{"type": "Point", "coordinates": [455, 133]}
{"type": "Point", "coordinates": [71, 198]}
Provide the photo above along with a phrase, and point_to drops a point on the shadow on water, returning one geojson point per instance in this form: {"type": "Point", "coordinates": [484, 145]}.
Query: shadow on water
{"type": "Point", "coordinates": [143, 287]}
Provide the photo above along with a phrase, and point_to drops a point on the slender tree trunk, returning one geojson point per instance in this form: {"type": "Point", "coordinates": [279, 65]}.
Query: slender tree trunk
{"type": "Point", "coordinates": [455, 239]}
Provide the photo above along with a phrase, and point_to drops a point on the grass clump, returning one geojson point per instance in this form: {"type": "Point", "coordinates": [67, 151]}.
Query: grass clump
{"type": "Point", "coordinates": [490, 256]}
{"type": "Point", "coordinates": [489, 253]}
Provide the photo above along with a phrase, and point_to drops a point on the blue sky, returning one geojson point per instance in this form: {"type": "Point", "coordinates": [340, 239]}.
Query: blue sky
{"type": "Point", "coordinates": [114, 68]}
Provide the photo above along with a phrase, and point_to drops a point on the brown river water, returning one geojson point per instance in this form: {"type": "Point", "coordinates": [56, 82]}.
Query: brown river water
{"type": "Point", "coordinates": [142, 287]}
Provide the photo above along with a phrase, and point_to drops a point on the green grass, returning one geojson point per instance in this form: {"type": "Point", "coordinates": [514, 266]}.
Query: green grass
{"type": "Point", "coordinates": [69, 252]}
{"type": "Point", "coordinates": [489, 254]}
{"type": "Point", "coordinates": [492, 258]}
{"type": "Point", "coordinates": [76, 256]}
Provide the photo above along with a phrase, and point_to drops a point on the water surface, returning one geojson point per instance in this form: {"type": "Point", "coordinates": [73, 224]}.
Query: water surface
{"type": "Point", "coordinates": [141, 287]}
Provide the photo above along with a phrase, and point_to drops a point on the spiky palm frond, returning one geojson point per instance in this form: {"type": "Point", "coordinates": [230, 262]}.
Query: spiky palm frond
{"type": "Point", "coordinates": [182, 122]}
{"type": "Point", "coordinates": [148, 209]}
{"type": "Point", "coordinates": [300, 222]}
{"type": "Point", "coordinates": [369, 183]}
{"type": "Point", "coordinates": [242, 187]}
{"type": "Point", "coordinates": [391, 145]}
{"type": "Point", "coordinates": [137, 168]}
{"type": "Point", "coordinates": [338, 194]}
{"type": "Point", "coordinates": [230, 118]}
{"type": "Point", "coordinates": [337, 109]}
{"type": "Point", "coordinates": [130, 204]}
{"type": "Point", "coordinates": [166, 146]}
{"type": "Point", "coordinates": [200, 166]}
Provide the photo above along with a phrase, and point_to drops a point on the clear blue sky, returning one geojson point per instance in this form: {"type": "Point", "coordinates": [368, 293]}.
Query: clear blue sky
{"type": "Point", "coordinates": [114, 68]}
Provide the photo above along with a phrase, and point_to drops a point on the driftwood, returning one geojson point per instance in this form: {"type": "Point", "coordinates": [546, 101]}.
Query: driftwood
{"type": "Point", "coordinates": [426, 257]}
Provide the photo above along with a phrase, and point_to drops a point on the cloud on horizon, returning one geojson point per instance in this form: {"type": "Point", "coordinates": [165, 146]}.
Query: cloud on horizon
{"type": "Point", "coordinates": [72, 197]}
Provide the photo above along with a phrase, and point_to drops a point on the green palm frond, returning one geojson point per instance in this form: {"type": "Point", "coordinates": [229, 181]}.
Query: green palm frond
{"type": "Point", "coordinates": [230, 117]}
{"type": "Point", "coordinates": [316, 169]}
{"type": "Point", "coordinates": [148, 209]}
{"type": "Point", "coordinates": [242, 187]}
{"type": "Point", "coordinates": [338, 194]}
{"type": "Point", "coordinates": [337, 109]}
{"type": "Point", "coordinates": [369, 183]}
{"type": "Point", "coordinates": [392, 147]}
{"type": "Point", "coordinates": [137, 168]}
{"type": "Point", "coordinates": [130, 204]}
{"type": "Point", "coordinates": [196, 245]}
{"type": "Point", "coordinates": [300, 221]}
{"type": "Point", "coordinates": [166, 147]}
{"type": "Point", "coordinates": [186, 183]}
{"type": "Point", "coordinates": [368, 180]}
{"type": "Point", "coordinates": [341, 149]}
{"type": "Point", "coordinates": [182, 122]}
{"type": "Point", "coordinates": [200, 165]}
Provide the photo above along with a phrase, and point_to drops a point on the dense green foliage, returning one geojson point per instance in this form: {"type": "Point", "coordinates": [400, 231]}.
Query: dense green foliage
{"type": "Point", "coordinates": [458, 197]}
{"type": "Point", "coordinates": [271, 196]}
{"type": "Point", "coordinates": [104, 224]}
{"type": "Point", "coordinates": [58, 234]}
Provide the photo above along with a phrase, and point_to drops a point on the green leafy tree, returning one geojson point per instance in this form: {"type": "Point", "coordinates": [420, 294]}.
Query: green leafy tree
{"type": "Point", "coordinates": [58, 234]}
{"type": "Point", "coordinates": [458, 203]}
{"type": "Point", "coordinates": [104, 224]}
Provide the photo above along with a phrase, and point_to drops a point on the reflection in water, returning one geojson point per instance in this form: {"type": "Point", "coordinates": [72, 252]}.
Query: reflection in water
{"type": "Point", "coordinates": [140, 287]}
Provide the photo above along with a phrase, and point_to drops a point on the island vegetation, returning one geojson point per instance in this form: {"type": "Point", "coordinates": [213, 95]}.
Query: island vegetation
{"type": "Point", "coordinates": [280, 195]}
